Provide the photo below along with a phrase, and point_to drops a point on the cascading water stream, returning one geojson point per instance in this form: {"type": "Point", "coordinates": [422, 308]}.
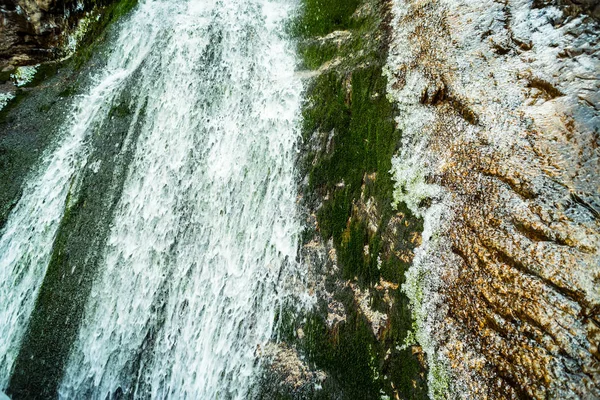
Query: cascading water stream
{"type": "Point", "coordinates": [26, 240]}
{"type": "Point", "coordinates": [205, 228]}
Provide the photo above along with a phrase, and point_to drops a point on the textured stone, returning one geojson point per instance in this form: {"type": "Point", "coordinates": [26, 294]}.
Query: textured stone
{"type": "Point", "coordinates": [290, 372]}
{"type": "Point", "coordinates": [499, 105]}
{"type": "Point", "coordinates": [32, 31]}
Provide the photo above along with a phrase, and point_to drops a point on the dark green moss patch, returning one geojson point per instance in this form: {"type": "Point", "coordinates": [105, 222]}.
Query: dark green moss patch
{"type": "Point", "coordinates": [316, 54]}
{"type": "Point", "coordinates": [76, 256]}
{"type": "Point", "coordinates": [109, 12]}
{"type": "Point", "coordinates": [43, 73]}
{"type": "Point", "coordinates": [359, 366]}
{"type": "Point", "coordinates": [363, 141]}
{"type": "Point", "coordinates": [29, 126]}
{"type": "Point", "coordinates": [320, 17]}
{"type": "Point", "coordinates": [69, 91]}
{"type": "Point", "coordinates": [349, 353]}
{"type": "Point", "coordinates": [349, 140]}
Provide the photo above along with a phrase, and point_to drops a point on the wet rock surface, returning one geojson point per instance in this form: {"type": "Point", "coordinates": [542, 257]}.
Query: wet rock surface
{"type": "Point", "coordinates": [37, 31]}
{"type": "Point", "coordinates": [33, 30]}
{"type": "Point", "coordinates": [500, 105]}
{"type": "Point", "coordinates": [287, 373]}
{"type": "Point", "coordinates": [356, 247]}
{"type": "Point", "coordinates": [498, 110]}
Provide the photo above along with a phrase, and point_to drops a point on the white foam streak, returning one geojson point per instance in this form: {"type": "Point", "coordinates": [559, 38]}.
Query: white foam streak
{"type": "Point", "coordinates": [27, 238]}
{"type": "Point", "coordinates": [206, 226]}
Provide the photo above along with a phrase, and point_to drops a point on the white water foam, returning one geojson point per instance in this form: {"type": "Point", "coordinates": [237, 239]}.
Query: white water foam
{"type": "Point", "coordinates": [207, 225]}
{"type": "Point", "coordinates": [27, 238]}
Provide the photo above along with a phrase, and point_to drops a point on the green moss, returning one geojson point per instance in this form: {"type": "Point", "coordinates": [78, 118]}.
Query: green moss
{"type": "Point", "coordinates": [347, 353]}
{"type": "Point", "coordinates": [97, 32]}
{"type": "Point", "coordinates": [69, 91]}
{"type": "Point", "coordinates": [350, 138]}
{"type": "Point", "coordinates": [76, 256]}
{"type": "Point", "coordinates": [44, 72]}
{"type": "Point", "coordinates": [359, 366]}
{"type": "Point", "coordinates": [320, 17]}
{"type": "Point", "coordinates": [352, 257]}
{"type": "Point", "coordinates": [119, 110]}
{"type": "Point", "coordinates": [5, 76]}
{"type": "Point", "coordinates": [364, 140]}
{"type": "Point", "coordinates": [39, 380]}
{"type": "Point", "coordinates": [315, 54]}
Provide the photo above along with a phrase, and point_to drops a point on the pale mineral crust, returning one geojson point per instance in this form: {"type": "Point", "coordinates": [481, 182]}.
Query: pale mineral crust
{"type": "Point", "coordinates": [500, 108]}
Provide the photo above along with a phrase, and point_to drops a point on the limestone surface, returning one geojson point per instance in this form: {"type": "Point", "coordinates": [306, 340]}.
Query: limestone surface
{"type": "Point", "coordinates": [500, 110]}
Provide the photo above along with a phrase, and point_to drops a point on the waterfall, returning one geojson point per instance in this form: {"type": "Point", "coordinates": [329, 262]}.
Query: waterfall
{"type": "Point", "coordinates": [26, 240]}
{"type": "Point", "coordinates": [206, 226]}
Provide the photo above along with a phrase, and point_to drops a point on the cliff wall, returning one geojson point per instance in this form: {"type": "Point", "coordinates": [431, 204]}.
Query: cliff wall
{"type": "Point", "coordinates": [499, 103]}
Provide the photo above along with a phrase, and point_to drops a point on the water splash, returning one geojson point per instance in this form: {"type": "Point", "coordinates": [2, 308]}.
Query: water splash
{"type": "Point", "coordinates": [5, 98]}
{"type": "Point", "coordinates": [26, 240]}
{"type": "Point", "coordinates": [24, 75]}
{"type": "Point", "coordinates": [206, 226]}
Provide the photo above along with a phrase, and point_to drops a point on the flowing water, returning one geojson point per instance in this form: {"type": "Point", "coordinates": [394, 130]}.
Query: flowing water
{"type": "Point", "coordinates": [26, 240]}
{"type": "Point", "coordinates": [205, 229]}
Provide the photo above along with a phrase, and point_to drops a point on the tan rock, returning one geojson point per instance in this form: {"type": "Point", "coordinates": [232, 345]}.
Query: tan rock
{"type": "Point", "coordinates": [503, 119]}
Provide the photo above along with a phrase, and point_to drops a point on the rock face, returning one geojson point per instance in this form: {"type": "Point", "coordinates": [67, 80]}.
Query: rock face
{"type": "Point", "coordinates": [356, 248]}
{"type": "Point", "coordinates": [33, 30]}
{"type": "Point", "coordinates": [500, 108]}
{"type": "Point", "coordinates": [287, 374]}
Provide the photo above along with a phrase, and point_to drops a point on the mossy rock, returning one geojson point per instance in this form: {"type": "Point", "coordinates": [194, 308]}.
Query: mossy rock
{"type": "Point", "coordinates": [349, 139]}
